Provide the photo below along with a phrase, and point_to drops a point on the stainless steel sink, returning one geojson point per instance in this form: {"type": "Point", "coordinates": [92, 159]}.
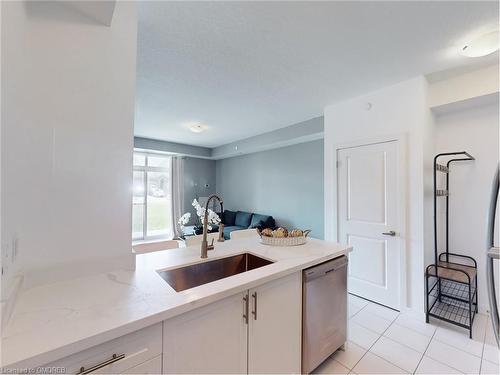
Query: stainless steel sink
{"type": "Point", "coordinates": [183, 278]}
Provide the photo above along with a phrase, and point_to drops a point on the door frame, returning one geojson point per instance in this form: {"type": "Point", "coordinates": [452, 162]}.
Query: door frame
{"type": "Point", "coordinates": [332, 199]}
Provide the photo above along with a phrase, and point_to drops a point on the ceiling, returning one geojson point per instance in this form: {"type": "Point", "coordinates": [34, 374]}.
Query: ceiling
{"type": "Point", "coordinates": [246, 68]}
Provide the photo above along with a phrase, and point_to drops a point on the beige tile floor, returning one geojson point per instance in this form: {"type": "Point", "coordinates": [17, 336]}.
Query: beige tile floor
{"type": "Point", "coordinates": [384, 341]}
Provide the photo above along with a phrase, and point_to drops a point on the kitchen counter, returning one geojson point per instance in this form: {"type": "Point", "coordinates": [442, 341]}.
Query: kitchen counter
{"type": "Point", "coordinates": [55, 320]}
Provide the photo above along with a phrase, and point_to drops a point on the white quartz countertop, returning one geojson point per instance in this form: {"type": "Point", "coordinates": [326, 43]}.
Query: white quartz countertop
{"type": "Point", "coordinates": [55, 320]}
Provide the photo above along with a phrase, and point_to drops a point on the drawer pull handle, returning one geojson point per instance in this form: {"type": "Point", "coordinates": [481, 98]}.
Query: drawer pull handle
{"type": "Point", "coordinates": [254, 312]}
{"type": "Point", "coordinates": [245, 308]}
{"type": "Point", "coordinates": [113, 359]}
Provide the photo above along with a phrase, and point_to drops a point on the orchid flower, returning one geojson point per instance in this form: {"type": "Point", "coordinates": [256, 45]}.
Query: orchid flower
{"type": "Point", "coordinates": [184, 219]}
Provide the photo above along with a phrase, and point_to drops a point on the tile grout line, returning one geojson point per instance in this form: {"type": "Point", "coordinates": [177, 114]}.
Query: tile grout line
{"type": "Point", "coordinates": [357, 312]}
{"type": "Point", "coordinates": [383, 335]}
{"type": "Point", "coordinates": [484, 345]}
{"type": "Point", "coordinates": [414, 330]}
{"type": "Point", "coordinates": [404, 371]}
{"type": "Point", "coordinates": [425, 351]}
{"type": "Point", "coordinates": [437, 360]}
{"type": "Point", "coordinates": [459, 348]}
{"type": "Point", "coordinates": [348, 320]}
{"type": "Point", "coordinates": [406, 346]}
{"type": "Point", "coordinates": [378, 316]}
{"type": "Point", "coordinates": [367, 350]}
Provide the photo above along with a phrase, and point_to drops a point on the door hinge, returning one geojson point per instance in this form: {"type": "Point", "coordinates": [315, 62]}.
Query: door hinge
{"type": "Point", "coordinates": [337, 163]}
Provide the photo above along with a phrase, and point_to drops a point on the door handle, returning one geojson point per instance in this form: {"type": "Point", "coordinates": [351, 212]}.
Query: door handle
{"type": "Point", "coordinates": [390, 233]}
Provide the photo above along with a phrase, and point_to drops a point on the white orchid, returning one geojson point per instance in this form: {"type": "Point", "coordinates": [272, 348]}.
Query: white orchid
{"type": "Point", "coordinates": [213, 218]}
{"type": "Point", "coordinates": [184, 219]}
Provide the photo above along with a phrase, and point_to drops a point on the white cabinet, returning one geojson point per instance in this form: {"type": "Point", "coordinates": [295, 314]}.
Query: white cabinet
{"type": "Point", "coordinates": [255, 331]}
{"type": "Point", "coordinates": [219, 338]}
{"type": "Point", "coordinates": [275, 326]}
{"type": "Point", "coordinates": [211, 339]}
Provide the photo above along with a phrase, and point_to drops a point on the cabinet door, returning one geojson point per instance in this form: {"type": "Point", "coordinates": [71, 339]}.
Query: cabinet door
{"type": "Point", "coordinates": [211, 339]}
{"type": "Point", "coordinates": [275, 328]}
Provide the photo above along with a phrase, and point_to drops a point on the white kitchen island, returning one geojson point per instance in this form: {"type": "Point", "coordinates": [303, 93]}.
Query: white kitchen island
{"type": "Point", "coordinates": [86, 321]}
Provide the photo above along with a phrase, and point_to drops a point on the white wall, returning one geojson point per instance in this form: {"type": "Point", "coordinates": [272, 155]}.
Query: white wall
{"type": "Point", "coordinates": [476, 131]}
{"type": "Point", "coordinates": [480, 82]}
{"type": "Point", "coordinates": [68, 87]}
{"type": "Point", "coordinates": [399, 109]}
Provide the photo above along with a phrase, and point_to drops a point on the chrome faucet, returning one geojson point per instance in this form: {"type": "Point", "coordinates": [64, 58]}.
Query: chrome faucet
{"type": "Point", "coordinates": [204, 243]}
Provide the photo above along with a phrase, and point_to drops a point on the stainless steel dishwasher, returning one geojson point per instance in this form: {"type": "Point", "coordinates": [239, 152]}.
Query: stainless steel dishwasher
{"type": "Point", "coordinates": [324, 311]}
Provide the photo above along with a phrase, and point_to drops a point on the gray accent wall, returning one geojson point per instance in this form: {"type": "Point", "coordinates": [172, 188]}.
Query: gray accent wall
{"type": "Point", "coordinates": [197, 174]}
{"type": "Point", "coordinates": [286, 183]}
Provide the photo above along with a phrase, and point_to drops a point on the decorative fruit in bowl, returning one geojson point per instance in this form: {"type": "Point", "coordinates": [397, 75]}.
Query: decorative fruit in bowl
{"type": "Point", "coordinates": [282, 237]}
{"type": "Point", "coordinates": [268, 232]}
{"type": "Point", "coordinates": [296, 233]}
{"type": "Point", "coordinates": [280, 232]}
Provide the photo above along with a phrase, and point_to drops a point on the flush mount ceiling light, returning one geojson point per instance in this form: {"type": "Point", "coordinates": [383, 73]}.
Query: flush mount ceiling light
{"type": "Point", "coordinates": [197, 127]}
{"type": "Point", "coordinates": [481, 46]}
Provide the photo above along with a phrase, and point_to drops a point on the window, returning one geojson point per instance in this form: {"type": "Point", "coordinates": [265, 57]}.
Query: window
{"type": "Point", "coordinates": [152, 198]}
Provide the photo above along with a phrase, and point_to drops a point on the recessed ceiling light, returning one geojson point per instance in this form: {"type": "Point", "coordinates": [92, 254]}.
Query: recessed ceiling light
{"type": "Point", "coordinates": [198, 128]}
{"type": "Point", "coordinates": [482, 45]}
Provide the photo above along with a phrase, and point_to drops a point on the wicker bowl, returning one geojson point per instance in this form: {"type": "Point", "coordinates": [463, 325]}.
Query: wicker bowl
{"type": "Point", "coordinates": [284, 241]}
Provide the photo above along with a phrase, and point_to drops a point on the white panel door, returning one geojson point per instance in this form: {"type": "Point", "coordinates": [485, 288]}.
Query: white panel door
{"type": "Point", "coordinates": [208, 340]}
{"type": "Point", "coordinates": [275, 327]}
{"type": "Point", "coordinates": [368, 192]}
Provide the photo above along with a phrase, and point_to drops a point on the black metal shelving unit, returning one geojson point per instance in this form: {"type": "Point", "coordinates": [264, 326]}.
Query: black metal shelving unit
{"type": "Point", "coordinates": [451, 282]}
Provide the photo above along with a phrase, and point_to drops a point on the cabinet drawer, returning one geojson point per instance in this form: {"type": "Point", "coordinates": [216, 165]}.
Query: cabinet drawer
{"type": "Point", "coordinates": [130, 350]}
{"type": "Point", "coordinates": [153, 366]}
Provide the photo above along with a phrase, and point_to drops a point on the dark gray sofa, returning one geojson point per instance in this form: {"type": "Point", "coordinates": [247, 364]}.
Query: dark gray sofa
{"type": "Point", "coordinates": [238, 220]}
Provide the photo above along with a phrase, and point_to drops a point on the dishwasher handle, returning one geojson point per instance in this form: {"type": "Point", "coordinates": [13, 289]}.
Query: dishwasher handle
{"type": "Point", "coordinates": [325, 268]}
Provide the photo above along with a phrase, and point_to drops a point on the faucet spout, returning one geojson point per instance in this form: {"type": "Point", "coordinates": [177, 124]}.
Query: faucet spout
{"type": "Point", "coordinates": [204, 242]}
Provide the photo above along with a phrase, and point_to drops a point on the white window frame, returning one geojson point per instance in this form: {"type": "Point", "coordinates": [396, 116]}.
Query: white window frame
{"type": "Point", "coordinates": [145, 169]}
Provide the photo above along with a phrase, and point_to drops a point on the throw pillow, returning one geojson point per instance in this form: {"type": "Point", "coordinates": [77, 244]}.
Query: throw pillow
{"type": "Point", "coordinates": [228, 218]}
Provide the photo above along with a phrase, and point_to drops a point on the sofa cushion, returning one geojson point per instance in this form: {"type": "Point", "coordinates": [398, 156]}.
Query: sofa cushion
{"type": "Point", "coordinates": [228, 217]}
{"type": "Point", "coordinates": [243, 219]}
{"type": "Point", "coordinates": [256, 218]}
{"type": "Point", "coordinates": [228, 230]}
{"type": "Point", "coordinates": [261, 225]}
